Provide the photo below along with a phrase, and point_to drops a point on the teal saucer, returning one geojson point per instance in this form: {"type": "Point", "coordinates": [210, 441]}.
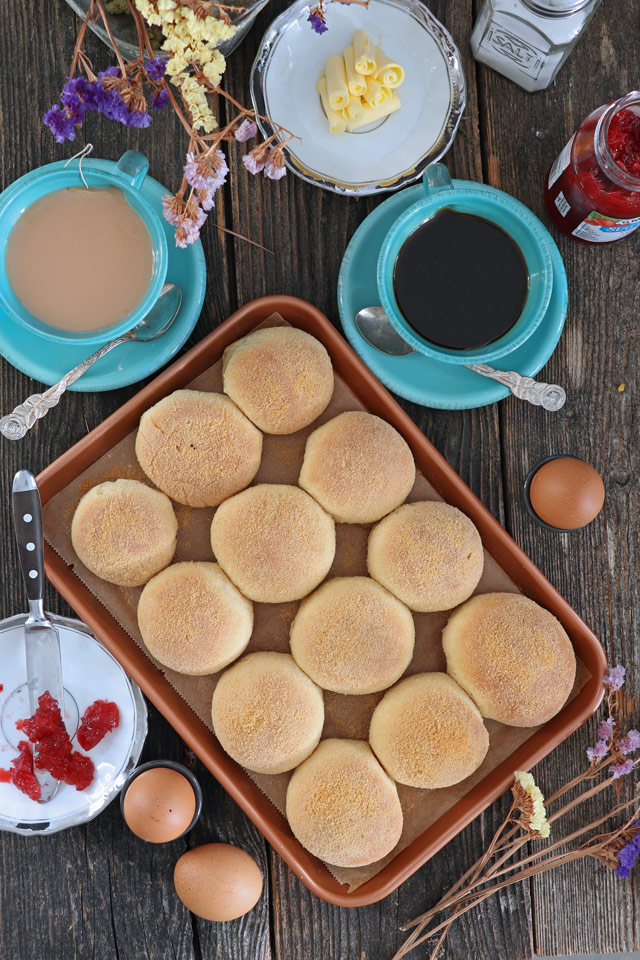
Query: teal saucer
{"type": "Point", "coordinates": [417, 377]}
{"type": "Point", "coordinates": [131, 362]}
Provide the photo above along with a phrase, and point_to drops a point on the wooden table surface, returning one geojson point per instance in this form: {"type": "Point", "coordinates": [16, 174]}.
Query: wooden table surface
{"type": "Point", "coordinates": [96, 891]}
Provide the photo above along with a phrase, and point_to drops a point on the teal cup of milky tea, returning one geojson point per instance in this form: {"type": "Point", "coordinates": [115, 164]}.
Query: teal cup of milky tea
{"type": "Point", "coordinates": [494, 208]}
{"type": "Point", "coordinates": [127, 175]}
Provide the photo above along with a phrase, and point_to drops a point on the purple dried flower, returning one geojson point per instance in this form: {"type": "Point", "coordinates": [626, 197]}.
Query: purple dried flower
{"type": "Point", "coordinates": [607, 728]}
{"type": "Point", "coordinates": [160, 99]}
{"type": "Point", "coordinates": [60, 123]}
{"type": "Point", "coordinates": [245, 131]}
{"type": "Point", "coordinates": [316, 19]}
{"type": "Point", "coordinates": [622, 769]}
{"type": "Point", "coordinates": [630, 743]}
{"type": "Point", "coordinates": [628, 854]}
{"type": "Point", "coordinates": [156, 68]}
{"type": "Point", "coordinates": [615, 678]}
{"type": "Point", "coordinates": [137, 118]}
{"type": "Point", "coordinates": [601, 749]}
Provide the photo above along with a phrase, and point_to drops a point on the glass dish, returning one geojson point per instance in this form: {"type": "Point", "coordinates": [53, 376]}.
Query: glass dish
{"type": "Point", "coordinates": [384, 156]}
{"type": "Point", "coordinates": [126, 37]}
{"type": "Point", "coordinates": [89, 673]}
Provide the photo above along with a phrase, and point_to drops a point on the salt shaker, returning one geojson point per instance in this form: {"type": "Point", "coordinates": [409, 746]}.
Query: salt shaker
{"type": "Point", "coordinates": [529, 40]}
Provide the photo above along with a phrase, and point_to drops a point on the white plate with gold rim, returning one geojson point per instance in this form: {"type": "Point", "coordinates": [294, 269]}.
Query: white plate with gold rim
{"type": "Point", "coordinates": [393, 152]}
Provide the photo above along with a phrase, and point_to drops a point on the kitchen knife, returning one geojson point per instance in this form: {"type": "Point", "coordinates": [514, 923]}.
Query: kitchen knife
{"type": "Point", "coordinates": [42, 644]}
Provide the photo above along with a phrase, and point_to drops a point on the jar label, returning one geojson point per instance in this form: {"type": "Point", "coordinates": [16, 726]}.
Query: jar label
{"type": "Point", "coordinates": [560, 164]}
{"type": "Point", "coordinates": [524, 56]}
{"type": "Point", "coordinates": [598, 228]}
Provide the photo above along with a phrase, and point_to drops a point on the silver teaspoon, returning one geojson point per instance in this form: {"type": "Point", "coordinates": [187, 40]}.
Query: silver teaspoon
{"type": "Point", "coordinates": [162, 314]}
{"type": "Point", "coordinates": [374, 325]}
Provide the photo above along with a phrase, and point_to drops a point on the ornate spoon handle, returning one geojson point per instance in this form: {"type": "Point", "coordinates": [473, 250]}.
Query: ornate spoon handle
{"type": "Point", "coordinates": [15, 425]}
{"type": "Point", "coordinates": [547, 395]}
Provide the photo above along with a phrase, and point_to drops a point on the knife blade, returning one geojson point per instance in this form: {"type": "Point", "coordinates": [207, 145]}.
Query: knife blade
{"type": "Point", "coordinates": [41, 640]}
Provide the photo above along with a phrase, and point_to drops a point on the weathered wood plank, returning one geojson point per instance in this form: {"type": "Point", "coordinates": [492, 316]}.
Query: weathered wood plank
{"type": "Point", "coordinates": [583, 907]}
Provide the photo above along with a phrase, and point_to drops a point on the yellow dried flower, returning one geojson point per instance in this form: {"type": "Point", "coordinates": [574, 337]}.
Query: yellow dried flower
{"type": "Point", "coordinates": [530, 802]}
{"type": "Point", "coordinates": [191, 41]}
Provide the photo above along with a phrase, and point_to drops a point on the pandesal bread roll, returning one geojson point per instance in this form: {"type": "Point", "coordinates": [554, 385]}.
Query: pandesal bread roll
{"type": "Point", "coordinates": [352, 636]}
{"type": "Point", "coordinates": [337, 89]}
{"type": "Point", "coordinates": [512, 657]}
{"type": "Point", "coordinates": [274, 542]}
{"type": "Point", "coordinates": [342, 806]}
{"type": "Point", "coordinates": [267, 714]}
{"type": "Point", "coordinates": [124, 532]}
{"type": "Point", "coordinates": [426, 732]}
{"type": "Point", "coordinates": [280, 377]}
{"type": "Point", "coordinates": [198, 448]}
{"type": "Point", "coordinates": [337, 123]}
{"type": "Point", "coordinates": [357, 467]}
{"type": "Point", "coordinates": [428, 554]}
{"type": "Point", "coordinates": [192, 618]}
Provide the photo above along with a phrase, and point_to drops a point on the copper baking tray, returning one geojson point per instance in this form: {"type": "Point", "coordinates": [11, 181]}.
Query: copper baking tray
{"type": "Point", "coordinates": [506, 552]}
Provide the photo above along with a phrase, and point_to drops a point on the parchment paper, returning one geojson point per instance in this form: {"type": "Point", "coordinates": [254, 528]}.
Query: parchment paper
{"type": "Point", "coordinates": [345, 716]}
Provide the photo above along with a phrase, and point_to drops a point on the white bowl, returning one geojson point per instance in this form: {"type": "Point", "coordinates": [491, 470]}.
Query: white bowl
{"type": "Point", "coordinates": [394, 153]}
{"type": "Point", "coordinates": [89, 673]}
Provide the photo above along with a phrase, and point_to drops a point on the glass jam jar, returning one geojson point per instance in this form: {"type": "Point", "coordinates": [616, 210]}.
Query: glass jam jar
{"type": "Point", "coordinates": [592, 190]}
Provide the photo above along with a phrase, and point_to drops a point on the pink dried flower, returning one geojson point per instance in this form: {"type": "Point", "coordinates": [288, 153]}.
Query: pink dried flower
{"type": "Point", "coordinates": [607, 728]}
{"type": "Point", "coordinates": [274, 167]}
{"type": "Point", "coordinates": [615, 678]}
{"type": "Point", "coordinates": [601, 749]}
{"type": "Point", "coordinates": [206, 198]}
{"type": "Point", "coordinates": [207, 171]}
{"type": "Point", "coordinates": [622, 769]}
{"type": "Point", "coordinates": [255, 160]}
{"type": "Point", "coordinates": [246, 131]}
{"type": "Point", "coordinates": [188, 232]}
{"type": "Point", "coordinates": [629, 743]}
{"type": "Point", "coordinates": [173, 209]}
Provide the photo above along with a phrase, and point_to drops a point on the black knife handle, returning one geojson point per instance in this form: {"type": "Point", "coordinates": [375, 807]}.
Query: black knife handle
{"type": "Point", "coordinates": [27, 521]}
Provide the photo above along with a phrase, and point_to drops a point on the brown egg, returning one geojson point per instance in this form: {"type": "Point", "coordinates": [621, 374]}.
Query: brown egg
{"type": "Point", "coordinates": [159, 805]}
{"type": "Point", "coordinates": [567, 493]}
{"type": "Point", "coordinates": [218, 881]}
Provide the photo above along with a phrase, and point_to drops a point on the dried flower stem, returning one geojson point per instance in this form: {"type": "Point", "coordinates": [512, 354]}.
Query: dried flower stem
{"type": "Point", "coordinates": [107, 26]}
{"type": "Point", "coordinates": [451, 898]}
{"type": "Point", "coordinates": [484, 878]}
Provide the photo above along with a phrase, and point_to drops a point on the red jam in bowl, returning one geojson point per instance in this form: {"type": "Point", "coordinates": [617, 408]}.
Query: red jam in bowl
{"type": "Point", "coordinates": [97, 720]}
{"type": "Point", "coordinates": [54, 751]}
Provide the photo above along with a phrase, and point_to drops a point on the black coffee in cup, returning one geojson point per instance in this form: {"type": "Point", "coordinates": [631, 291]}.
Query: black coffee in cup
{"type": "Point", "coordinates": [460, 281]}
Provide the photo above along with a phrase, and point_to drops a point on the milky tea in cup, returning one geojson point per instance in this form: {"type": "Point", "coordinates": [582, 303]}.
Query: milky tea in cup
{"type": "Point", "coordinates": [80, 259]}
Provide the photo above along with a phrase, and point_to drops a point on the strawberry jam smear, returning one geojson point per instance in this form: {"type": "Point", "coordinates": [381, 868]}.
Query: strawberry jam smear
{"type": "Point", "coordinates": [21, 772]}
{"type": "Point", "coordinates": [47, 733]}
{"type": "Point", "coordinates": [97, 720]}
{"type": "Point", "coordinates": [46, 730]}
